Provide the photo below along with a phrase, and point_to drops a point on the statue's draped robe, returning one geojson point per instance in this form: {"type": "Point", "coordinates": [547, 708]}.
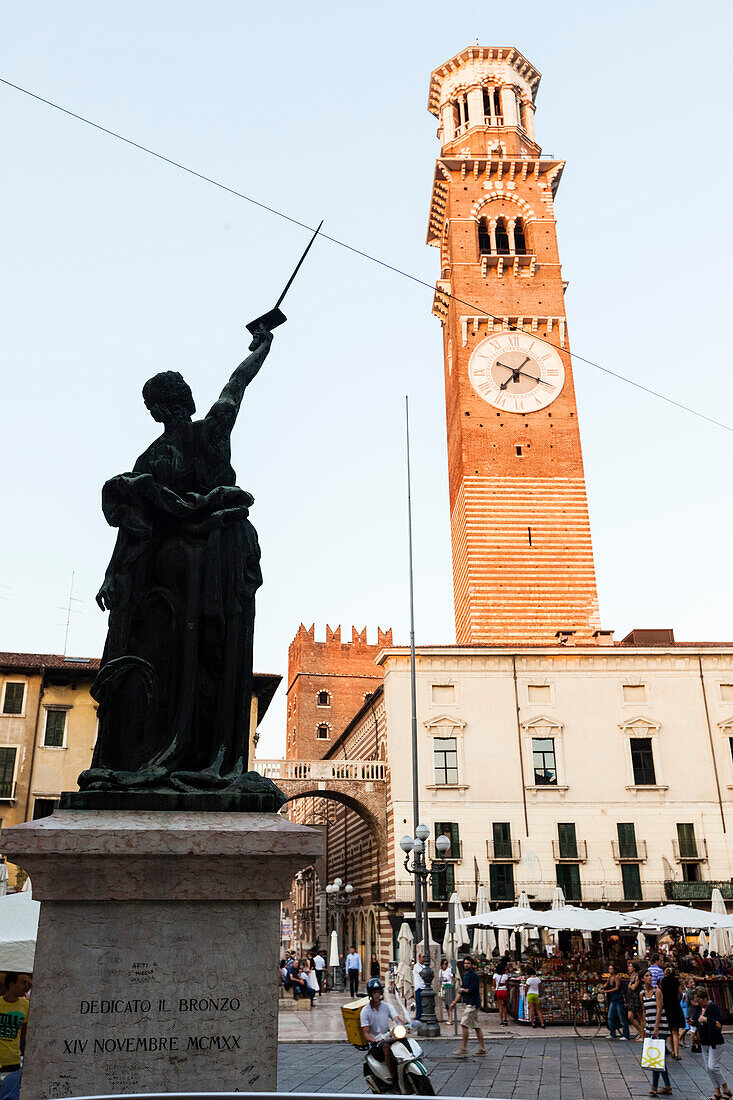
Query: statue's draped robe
{"type": "Point", "coordinates": [175, 682]}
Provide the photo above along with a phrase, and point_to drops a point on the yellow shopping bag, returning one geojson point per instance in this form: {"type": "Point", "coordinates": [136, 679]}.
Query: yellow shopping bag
{"type": "Point", "coordinates": [652, 1054]}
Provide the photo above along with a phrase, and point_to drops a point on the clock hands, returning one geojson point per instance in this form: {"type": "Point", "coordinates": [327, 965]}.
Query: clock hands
{"type": "Point", "coordinates": [517, 372]}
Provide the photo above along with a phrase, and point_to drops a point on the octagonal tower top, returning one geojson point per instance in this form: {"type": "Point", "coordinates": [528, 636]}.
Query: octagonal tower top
{"type": "Point", "coordinates": [485, 89]}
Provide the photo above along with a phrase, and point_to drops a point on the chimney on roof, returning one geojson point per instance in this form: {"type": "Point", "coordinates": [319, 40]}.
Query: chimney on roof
{"type": "Point", "coordinates": [658, 636]}
{"type": "Point", "coordinates": [564, 637]}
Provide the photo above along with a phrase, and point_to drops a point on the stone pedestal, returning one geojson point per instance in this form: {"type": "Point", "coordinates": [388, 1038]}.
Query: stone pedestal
{"type": "Point", "coordinates": [157, 953]}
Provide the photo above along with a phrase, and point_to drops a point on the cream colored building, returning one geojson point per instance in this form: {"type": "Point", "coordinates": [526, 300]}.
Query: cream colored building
{"type": "Point", "coordinates": [605, 769]}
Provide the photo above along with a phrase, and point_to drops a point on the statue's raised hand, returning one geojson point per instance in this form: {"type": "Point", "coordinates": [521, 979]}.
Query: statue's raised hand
{"type": "Point", "coordinates": [262, 336]}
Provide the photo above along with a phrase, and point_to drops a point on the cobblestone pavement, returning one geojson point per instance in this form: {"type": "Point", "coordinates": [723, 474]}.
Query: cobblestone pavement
{"type": "Point", "coordinates": [526, 1068]}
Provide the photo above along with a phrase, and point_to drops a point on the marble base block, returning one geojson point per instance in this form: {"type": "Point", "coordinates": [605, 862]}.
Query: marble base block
{"type": "Point", "coordinates": [157, 952]}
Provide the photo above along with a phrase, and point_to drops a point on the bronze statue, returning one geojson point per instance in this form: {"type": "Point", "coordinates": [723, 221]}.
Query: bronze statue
{"type": "Point", "coordinates": [175, 682]}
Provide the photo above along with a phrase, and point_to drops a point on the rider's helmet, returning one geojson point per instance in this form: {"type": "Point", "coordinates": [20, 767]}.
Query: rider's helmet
{"type": "Point", "coordinates": [372, 984]}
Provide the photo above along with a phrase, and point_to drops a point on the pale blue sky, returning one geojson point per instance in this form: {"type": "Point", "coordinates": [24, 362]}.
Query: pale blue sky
{"type": "Point", "coordinates": [116, 266]}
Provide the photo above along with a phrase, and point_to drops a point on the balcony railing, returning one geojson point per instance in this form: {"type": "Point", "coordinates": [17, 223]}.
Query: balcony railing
{"type": "Point", "coordinates": [697, 891]}
{"type": "Point", "coordinates": [628, 853]}
{"type": "Point", "coordinates": [404, 893]}
{"type": "Point", "coordinates": [596, 893]}
{"type": "Point", "coordinates": [321, 769]}
{"type": "Point", "coordinates": [691, 851]}
{"type": "Point", "coordinates": [570, 853]}
{"type": "Point", "coordinates": [504, 852]}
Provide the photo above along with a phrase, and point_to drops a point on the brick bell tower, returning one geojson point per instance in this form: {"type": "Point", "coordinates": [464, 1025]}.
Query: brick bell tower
{"type": "Point", "coordinates": [522, 557]}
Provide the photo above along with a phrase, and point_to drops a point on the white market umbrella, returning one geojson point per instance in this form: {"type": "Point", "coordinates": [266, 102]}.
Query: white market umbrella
{"type": "Point", "coordinates": [505, 918]}
{"type": "Point", "coordinates": [523, 903]}
{"type": "Point", "coordinates": [720, 940]}
{"type": "Point", "coordinates": [3, 879]}
{"type": "Point", "coordinates": [571, 918]}
{"type": "Point", "coordinates": [333, 951]}
{"type": "Point", "coordinates": [503, 940]}
{"type": "Point", "coordinates": [482, 937]}
{"type": "Point", "coordinates": [703, 940]}
{"type": "Point", "coordinates": [681, 916]}
{"type": "Point", "coordinates": [403, 979]}
{"type": "Point", "coordinates": [461, 935]}
{"type": "Point", "coordinates": [19, 915]}
{"type": "Point", "coordinates": [27, 887]}
{"type": "Point", "coordinates": [640, 944]}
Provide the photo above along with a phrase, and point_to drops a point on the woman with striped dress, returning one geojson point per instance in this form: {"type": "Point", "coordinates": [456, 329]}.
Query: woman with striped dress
{"type": "Point", "coordinates": [655, 1027]}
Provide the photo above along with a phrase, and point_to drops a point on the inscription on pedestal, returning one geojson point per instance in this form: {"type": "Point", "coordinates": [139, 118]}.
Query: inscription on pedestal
{"type": "Point", "coordinates": [167, 1008]}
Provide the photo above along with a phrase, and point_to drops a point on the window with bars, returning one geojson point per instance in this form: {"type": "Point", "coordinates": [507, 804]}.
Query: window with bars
{"type": "Point", "coordinates": [642, 761]}
{"type": "Point", "coordinates": [53, 735]}
{"type": "Point", "coordinates": [449, 829]}
{"type": "Point", "coordinates": [44, 807]}
{"type": "Point", "coordinates": [445, 760]}
{"type": "Point", "coordinates": [7, 771]}
{"type": "Point", "coordinates": [13, 698]}
{"type": "Point", "coordinates": [543, 760]}
{"type": "Point", "coordinates": [501, 881]}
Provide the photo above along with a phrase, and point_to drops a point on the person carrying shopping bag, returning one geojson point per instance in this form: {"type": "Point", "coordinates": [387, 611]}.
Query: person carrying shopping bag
{"type": "Point", "coordinates": [655, 1027]}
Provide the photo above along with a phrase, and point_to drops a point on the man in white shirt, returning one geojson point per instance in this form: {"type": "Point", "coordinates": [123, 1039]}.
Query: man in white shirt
{"type": "Point", "coordinates": [376, 1021]}
{"type": "Point", "coordinates": [353, 971]}
{"type": "Point", "coordinates": [419, 985]}
{"type": "Point", "coordinates": [319, 964]}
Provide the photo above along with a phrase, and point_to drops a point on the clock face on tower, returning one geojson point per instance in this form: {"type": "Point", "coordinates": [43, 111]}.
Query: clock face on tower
{"type": "Point", "coordinates": [516, 372]}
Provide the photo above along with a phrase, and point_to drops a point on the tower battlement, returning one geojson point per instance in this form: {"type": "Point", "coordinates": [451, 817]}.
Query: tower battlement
{"type": "Point", "coordinates": [328, 681]}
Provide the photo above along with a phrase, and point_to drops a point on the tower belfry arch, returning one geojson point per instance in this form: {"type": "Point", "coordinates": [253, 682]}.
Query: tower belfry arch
{"type": "Point", "coordinates": [522, 556]}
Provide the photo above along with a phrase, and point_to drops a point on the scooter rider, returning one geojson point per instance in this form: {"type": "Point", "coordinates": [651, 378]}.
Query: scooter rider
{"type": "Point", "coordinates": [376, 1021]}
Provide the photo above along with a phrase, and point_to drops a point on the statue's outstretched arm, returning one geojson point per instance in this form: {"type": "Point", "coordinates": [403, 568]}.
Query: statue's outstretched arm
{"type": "Point", "coordinates": [227, 406]}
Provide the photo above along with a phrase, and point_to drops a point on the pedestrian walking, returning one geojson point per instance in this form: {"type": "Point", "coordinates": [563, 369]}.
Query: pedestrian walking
{"type": "Point", "coordinates": [710, 1030]}
{"type": "Point", "coordinates": [320, 966]}
{"type": "Point", "coordinates": [501, 991]}
{"type": "Point", "coordinates": [532, 988]}
{"type": "Point", "coordinates": [471, 996]}
{"type": "Point", "coordinates": [445, 975]}
{"type": "Point", "coordinates": [655, 969]}
{"type": "Point", "coordinates": [655, 1027]}
{"type": "Point", "coordinates": [616, 1005]}
{"type": "Point", "coordinates": [670, 987]}
{"type": "Point", "coordinates": [374, 966]}
{"type": "Point", "coordinates": [634, 1010]}
{"type": "Point", "coordinates": [419, 984]}
{"type": "Point", "coordinates": [353, 971]}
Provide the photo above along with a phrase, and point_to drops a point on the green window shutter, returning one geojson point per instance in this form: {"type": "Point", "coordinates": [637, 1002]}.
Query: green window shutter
{"type": "Point", "coordinates": [567, 840]}
{"type": "Point", "coordinates": [55, 727]}
{"type": "Point", "coordinates": [686, 839]}
{"type": "Point", "coordinates": [7, 770]}
{"type": "Point", "coordinates": [502, 831]}
{"type": "Point", "coordinates": [631, 878]}
{"type": "Point", "coordinates": [568, 879]}
{"type": "Point", "coordinates": [501, 882]}
{"type": "Point", "coordinates": [13, 701]}
{"type": "Point", "coordinates": [626, 839]}
{"type": "Point", "coordinates": [455, 842]}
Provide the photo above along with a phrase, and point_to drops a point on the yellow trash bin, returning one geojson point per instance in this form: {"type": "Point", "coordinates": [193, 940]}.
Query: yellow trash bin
{"type": "Point", "coordinates": [351, 1013]}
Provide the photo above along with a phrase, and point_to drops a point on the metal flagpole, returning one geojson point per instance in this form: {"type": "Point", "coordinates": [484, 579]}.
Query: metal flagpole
{"type": "Point", "coordinates": [413, 687]}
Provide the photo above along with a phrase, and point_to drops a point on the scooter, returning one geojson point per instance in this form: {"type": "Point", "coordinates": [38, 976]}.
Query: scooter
{"type": "Point", "coordinates": [412, 1077]}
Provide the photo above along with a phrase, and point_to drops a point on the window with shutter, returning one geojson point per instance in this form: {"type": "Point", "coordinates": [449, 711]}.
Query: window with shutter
{"type": "Point", "coordinates": [687, 842]}
{"type": "Point", "coordinates": [626, 839]}
{"type": "Point", "coordinates": [501, 881]}
{"type": "Point", "coordinates": [7, 771]}
{"type": "Point", "coordinates": [631, 879]}
{"type": "Point", "coordinates": [568, 879]}
{"type": "Point", "coordinates": [567, 840]}
{"type": "Point", "coordinates": [443, 880]}
{"type": "Point", "coordinates": [53, 737]}
{"type": "Point", "coordinates": [449, 829]}
{"type": "Point", "coordinates": [13, 700]}
{"type": "Point", "coordinates": [502, 831]}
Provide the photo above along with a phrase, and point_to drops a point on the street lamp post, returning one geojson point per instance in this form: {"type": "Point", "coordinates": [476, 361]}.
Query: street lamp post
{"type": "Point", "coordinates": [338, 904]}
{"type": "Point", "coordinates": [429, 1026]}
